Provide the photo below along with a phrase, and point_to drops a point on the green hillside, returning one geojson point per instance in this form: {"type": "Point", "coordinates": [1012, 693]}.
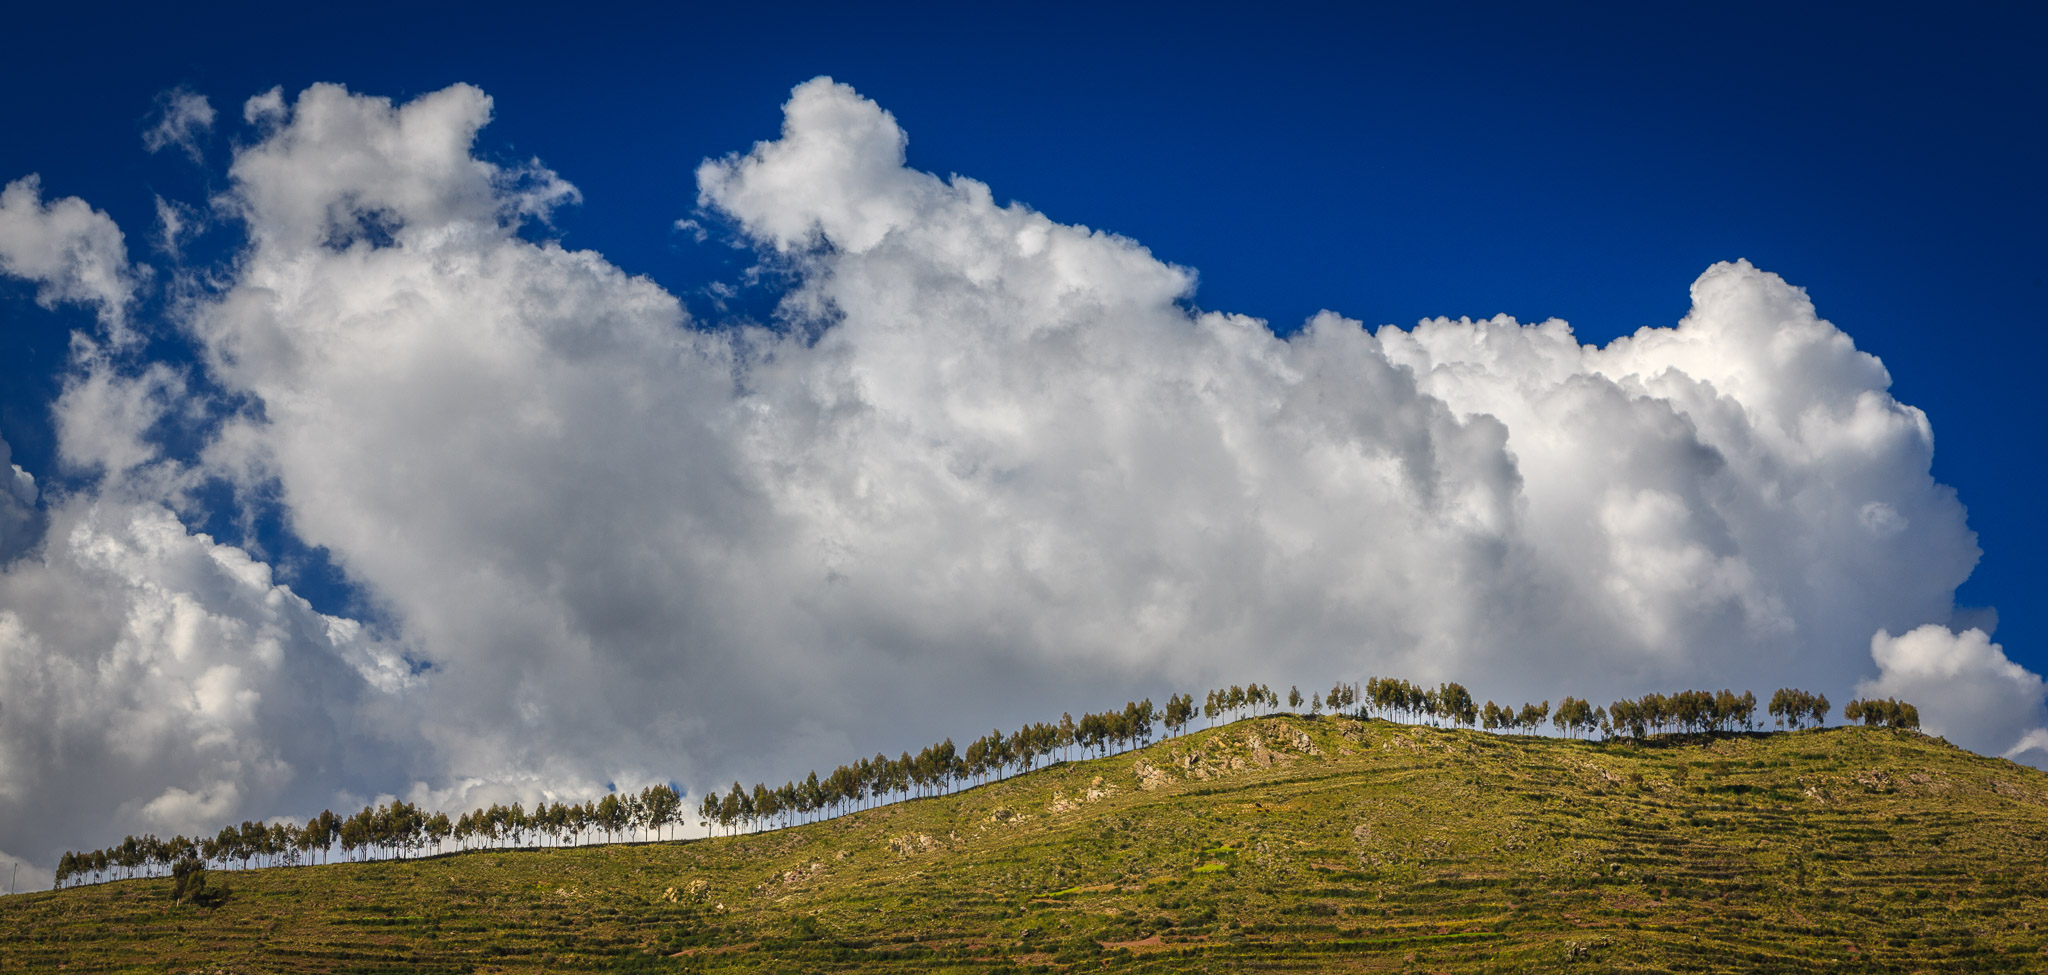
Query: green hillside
{"type": "Point", "coordinates": [1273, 844]}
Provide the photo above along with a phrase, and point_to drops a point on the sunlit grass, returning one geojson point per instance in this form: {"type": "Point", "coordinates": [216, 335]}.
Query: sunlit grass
{"type": "Point", "coordinates": [1363, 845]}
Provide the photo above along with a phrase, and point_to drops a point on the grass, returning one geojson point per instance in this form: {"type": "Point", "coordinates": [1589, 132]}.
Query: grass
{"type": "Point", "coordinates": [1279, 844]}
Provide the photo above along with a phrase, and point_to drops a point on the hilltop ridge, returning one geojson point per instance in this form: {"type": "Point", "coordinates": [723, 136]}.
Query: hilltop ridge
{"type": "Point", "coordinates": [1277, 842]}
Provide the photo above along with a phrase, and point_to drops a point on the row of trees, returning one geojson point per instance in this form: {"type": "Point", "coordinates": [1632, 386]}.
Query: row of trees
{"type": "Point", "coordinates": [941, 768]}
{"type": "Point", "coordinates": [1232, 702]}
{"type": "Point", "coordinates": [400, 829]}
{"type": "Point", "coordinates": [394, 829]}
{"type": "Point", "coordinates": [1888, 713]}
{"type": "Point", "coordinates": [1687, 711]}
{"type": "Point", "coordinates": [1792, 708]}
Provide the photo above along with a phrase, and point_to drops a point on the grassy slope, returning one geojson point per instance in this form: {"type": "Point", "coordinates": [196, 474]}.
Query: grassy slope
{"type": "Point", "coordinates": [1273, 843]}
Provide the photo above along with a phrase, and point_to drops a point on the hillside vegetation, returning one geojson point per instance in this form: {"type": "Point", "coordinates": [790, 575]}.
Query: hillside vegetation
{"type": "Point", "coordinates": [1275, 844]}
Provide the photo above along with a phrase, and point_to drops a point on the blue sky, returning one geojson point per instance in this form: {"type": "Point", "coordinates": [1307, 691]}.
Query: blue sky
{"type": "Point", "coordinates": [1389, 165]}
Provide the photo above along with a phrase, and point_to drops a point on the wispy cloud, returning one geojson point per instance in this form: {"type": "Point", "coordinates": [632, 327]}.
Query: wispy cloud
{"type": "Point", "coordinates": [183, 118]}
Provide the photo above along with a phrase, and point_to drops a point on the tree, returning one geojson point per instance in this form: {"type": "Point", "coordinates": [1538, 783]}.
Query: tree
{"type": "Point", "coordinates": [1886, 713]}
{"type": "Point", "coordinates": [354, 832]}
{"type": "Point", "coordinates": [1341, 696]}
{"type": "Point", "coordinates": [1573, 716]}
{"type": "Point", "coordinates": [188, 881]}
{"type": "Point", "coordinates": [1294, 698]}
{"type": "Point", "coordinates": [1176, 714]}
{"type": "Point", "coordinates": [330, 831]}
{"type": "Point", "coordinates": [1456, 703]}
{"type": "Point", "coordinates": [1629, 717]}
{"type": "Point", "coordinates": [732, 810]}
{"type": "Point", "coordinates": [1793, 707]}
{"type": "Point", "coordinates": [438, 829]}
{"type": "Point", "coordinates": [660, 805]}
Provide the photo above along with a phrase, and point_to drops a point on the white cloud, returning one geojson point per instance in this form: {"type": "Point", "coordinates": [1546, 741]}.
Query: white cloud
{"type": "Point", "coordinates": [72, 251]}
{"type": "Point", "coordinates": [183, 117]}
{"type": "Point", "coordinates": [350, 167]}
{"type": "Point", "coordinates": [1966, 689]}
{"type": "Point", "coordinates": [999, 452]}
{"type": "Point", "coordinates": [992, 468]}
{"type": "Point", "coordinates": [18, 516]}
{"type": "Point", "coordinates": [25, 874]}
{"type": "Point", "coordinates": [266, 109]}
{"type": "Point", "coordinates": [176, 223]}
{"type": "Point", "coordinates": [105, 417]}
{"type": "Point", "coordinates": [2032, 748]}
{"type": "Point", "coordinates": [156, 680]}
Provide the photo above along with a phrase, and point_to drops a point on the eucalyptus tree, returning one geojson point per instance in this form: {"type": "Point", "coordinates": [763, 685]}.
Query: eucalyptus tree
{"type": "Point", "coordinates": [1180, 710]}
{"type": "Point", "coordinates": [660, 805]}
{"type": "Point", "coordinates": [1456, 704]}
{"type": "Point", "coordinates": [1887, 713]}
{"type": "Point", "coordinates": [1139, 715]}
{"type": "Point", "coordinates": [438, 828]}
{"type": "Point", "coordinates": [1574, 717]}
{"type": "Point", "coordinates": [1628, 718]}
{"type": "Point", "coordinates": [1793, 707]}
{"type": "Point", "coordinates": [814, 794]}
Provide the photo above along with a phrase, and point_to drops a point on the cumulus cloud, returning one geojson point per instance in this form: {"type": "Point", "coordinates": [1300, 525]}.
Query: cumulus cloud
{"type": "Point", "coordinates": [157, 680]}
{"type": "Point", "coordinates": [1966, 689]}
{"type": "Point", "coordinates": [353, 168]}
{"type": "Point", "coordinates": [70, 250]}
{"type": "Point", "coordinates": [183, 117]}
{"type": "Point", "coordinates": [2031, 748]}
{"type": "Point", "coordinates": [986, 466]}
{"type": "Point", "coordinates": [18, 515]}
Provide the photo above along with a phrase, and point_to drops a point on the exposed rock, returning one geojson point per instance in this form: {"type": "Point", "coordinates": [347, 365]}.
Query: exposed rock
{"type": "Point", "coordinates": [2010, 790]}
{"type": "Point", "coordinates": [911, 843]}
{"type": "Point", "coordinates": [801, 873]}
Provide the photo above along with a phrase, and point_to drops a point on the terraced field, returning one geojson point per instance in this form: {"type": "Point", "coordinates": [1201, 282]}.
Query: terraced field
{"type": "Point", "coordinates": [1273, 844]}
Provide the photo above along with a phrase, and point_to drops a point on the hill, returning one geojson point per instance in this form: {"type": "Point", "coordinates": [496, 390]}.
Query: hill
{"type": "Point", "coordinates": [1278, 843]}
